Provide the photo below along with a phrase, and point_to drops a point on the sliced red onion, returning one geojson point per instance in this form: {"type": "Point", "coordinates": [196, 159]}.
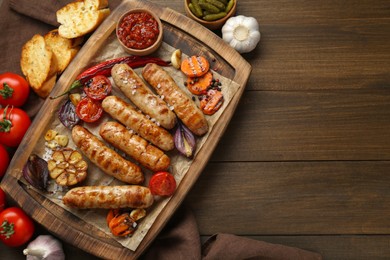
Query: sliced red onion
{"type": "Point", "coordinates": [35, 172]}
{"type": "Point", "coordinates": [185, 141]}
{"type": "Point", "coordinates": [67, 115]}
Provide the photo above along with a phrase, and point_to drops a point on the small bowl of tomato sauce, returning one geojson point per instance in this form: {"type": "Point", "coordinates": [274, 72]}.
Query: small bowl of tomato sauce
{"type": "Point", "coordinates": [139, 31]}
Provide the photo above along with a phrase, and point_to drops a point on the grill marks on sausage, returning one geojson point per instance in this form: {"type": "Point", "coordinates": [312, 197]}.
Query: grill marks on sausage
{"type": "Point", "coordinates": [138, 122]}
{"type": "Point", "coordinates": [135, 89]}
{"type": "Point", "coordinates": [183, 106]}
{"type": "Point", "coordinates": [126, 196]}
{"type": "Point", "coordinates": [134, 146]}
{"type": "Point", "coordinates": [105, 158]}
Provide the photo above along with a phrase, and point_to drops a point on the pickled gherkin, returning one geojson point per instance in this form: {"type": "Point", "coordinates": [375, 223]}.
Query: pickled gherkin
{"type": "Point", "coordinates": [209, 7]}
{"type": "Point", "coordinates": [195, 9]}
{"type": "Point", "coordinates": [217, 4]}
{"type": "Point", "coordinates": [210, 10]}
{"type": "Point", "coordinates": [225, 2]}
{"type": "Point", "coordinates": [229, 6]}
{"type": "Point", "coordinates": [213, 17]}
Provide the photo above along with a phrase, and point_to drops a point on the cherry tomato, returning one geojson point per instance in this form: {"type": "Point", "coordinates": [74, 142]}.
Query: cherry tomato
{"type": "Point", "coordinates": [4, 160]}
{"type": "Point", "coordinates": [98, 87]}
{"type": "Point", "coordinates": [2, 200]}
{"type": "Point", "coordinates": [14, 89]}
{"type": "Point", "coordinates": [89, 110]}
{"type": "Point", "coordinates": [162, 184]}
{"type": "Point", "coordinates": [14, 123]}
{"type": "Point", "coordinates": [16, 227]}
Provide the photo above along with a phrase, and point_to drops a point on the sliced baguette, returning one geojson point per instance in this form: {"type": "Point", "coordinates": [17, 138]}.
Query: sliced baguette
{"type": "Point", "coordinates": [63, 49]}
{"type": "Point", "coordinates": [38, 64]}
{"type": "Point", "coordinates": [81, 17]}
{"type": "Point", "coordinates": [47, 86]}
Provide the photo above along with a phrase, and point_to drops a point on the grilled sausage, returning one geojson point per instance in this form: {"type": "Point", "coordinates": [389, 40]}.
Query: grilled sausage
{"type": "Point", "coordinates": [142, 96]}
{"type": "Point", "coordinates": [138, 122]}
{"type": "Point", "coordinates": [135, 146]}
{"type": "Point", "coordinates": [109, 197]}
{"type": "Point", "coordinates": [105, 158]}
{"type": "Point", "coordinates": [183, 106]}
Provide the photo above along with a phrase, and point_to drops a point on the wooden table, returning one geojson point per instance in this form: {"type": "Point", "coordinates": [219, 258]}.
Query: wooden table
{"type": "Point", "coordinates": [305, 161]}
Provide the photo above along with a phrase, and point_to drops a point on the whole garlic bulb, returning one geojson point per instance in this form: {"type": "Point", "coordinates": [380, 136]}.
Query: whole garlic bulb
{"type": "Point", "coordinates": [242, 33]}
{"type": "Point", "coordinates": [44, 247]}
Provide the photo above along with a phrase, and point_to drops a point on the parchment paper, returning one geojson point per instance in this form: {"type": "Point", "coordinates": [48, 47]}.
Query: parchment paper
{"type": "Point", "coordinates": [179, 164]}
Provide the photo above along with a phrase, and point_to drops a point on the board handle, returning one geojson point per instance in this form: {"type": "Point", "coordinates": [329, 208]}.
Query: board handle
{"type": "Point", "coordinates": [59, 221]}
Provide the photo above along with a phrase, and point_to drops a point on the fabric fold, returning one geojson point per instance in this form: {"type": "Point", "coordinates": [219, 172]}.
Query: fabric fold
{"type": "Point", "coordinates": [178, 240]}
{"type": "Point", "coordinates": [228, 246]}
{"type": "Point", "coordinates": [39, 10]}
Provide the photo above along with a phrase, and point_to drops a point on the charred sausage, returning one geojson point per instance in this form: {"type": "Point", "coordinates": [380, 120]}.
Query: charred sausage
{"type": "Point", "coordinates": [142, 96]}
{"type": "Point", "coordinates": [135, 146]}
{"type": "Point", "coordinates": [183, 106]}
{"type": "Point", "coordinates": [106, 159]}
{"type": "Point", "coordinates": [138, 122]}
{"type": "Point", "coordinates": [109, 197]}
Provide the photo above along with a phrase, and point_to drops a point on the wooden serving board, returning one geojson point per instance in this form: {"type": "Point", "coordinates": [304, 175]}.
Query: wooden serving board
{"type": "Point", "coordinates": [179, 32]}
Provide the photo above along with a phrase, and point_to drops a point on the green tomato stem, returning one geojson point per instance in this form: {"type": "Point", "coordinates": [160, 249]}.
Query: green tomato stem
{"type": "Point", "coordinates": [7, 91]}
{"type": "Point", "coordinates": [7, 229]}
{"type": "Point", "coordinates": [5, 124]}
{"type": "Point", "coordinates": [75, 85]}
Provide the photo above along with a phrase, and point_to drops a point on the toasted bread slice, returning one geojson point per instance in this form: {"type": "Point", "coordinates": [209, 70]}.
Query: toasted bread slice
{"type": "Point", "coordinates": [81, 17]}
{"type": "Point", "coordinates": [47, 86]}
{"type": "Point", "coordinates": [63, 49]}
{"type": "Point", "coordinates": [37, 63]}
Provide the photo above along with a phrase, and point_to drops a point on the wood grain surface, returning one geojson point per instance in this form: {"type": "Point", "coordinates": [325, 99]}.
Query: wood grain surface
{"type": "Point", "coordinates": [305, 160]}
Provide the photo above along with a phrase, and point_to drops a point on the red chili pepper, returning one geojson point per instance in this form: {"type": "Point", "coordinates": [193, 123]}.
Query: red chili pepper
{"type": "Point", "coordinates": [105, 67]}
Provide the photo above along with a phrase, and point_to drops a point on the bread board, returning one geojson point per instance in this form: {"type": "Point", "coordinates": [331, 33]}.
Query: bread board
{"type": "Point", "coordinates": [179, 32]}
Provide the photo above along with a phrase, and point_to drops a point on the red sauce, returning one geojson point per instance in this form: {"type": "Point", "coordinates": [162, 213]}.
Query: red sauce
{"type": "Point", "coordinates": [138, 30]}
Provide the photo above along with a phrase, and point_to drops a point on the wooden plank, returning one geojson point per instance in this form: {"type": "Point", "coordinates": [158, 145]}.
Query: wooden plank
{"type": "Point", "coordinates": [300, 12]}
{"type": "Point", "coordinates": [295, 75]}
{"type": "Point", "coordinates": [293, 198]}
{"type": "Point", "coordinates": [335, 247]}
{"type": "Point", "coordinates": [326, 45]}
{"type": "Point", "coordinates": [317, 125]}
{"type": "Point", "coordinates": [324, 56]}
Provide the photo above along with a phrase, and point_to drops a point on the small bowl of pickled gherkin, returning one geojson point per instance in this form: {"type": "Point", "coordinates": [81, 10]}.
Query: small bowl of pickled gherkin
{"type": "Point", "coordinates": [210, 13]}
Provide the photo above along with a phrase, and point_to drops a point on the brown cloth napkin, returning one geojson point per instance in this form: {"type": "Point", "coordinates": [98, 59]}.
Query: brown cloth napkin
{"type": "Point", "coordinates": [19, 21]}
{"type": "Point", "coordinates": [180, 240]}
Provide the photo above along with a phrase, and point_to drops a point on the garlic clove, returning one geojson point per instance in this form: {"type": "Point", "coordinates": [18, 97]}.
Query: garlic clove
{"type": "Point", "coordinates": [137, 214]}
{"type": "Point", "coordinates": [176, 59]}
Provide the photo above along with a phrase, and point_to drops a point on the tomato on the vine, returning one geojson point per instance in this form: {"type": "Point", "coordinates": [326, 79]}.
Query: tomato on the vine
{"type": "Point", "coordinates": [89, 110]}
{"type": "Point", "coordinates": [14, 123]}
{"type": "Point", "coordinates": [162, 184]}
{"type": "Point", "coordinates": [2, 200]}
{"type": "Point", "coordinates": [16, 227]}
{"type": "Point", "coordinates": [14, 89]}
{"type": "Point", "coordinates": [4, 160]}
{"type": "Point", "coordinates": [98, 87]}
